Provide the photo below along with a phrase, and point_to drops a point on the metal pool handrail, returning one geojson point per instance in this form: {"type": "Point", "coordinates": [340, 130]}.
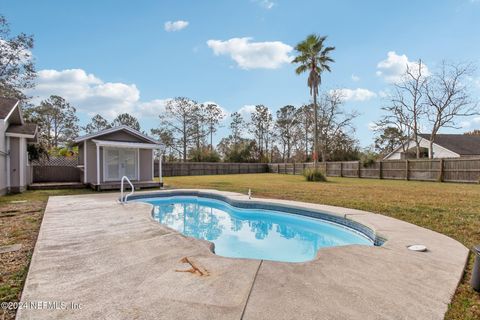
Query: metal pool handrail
{"type": "Point", "coordinates": [121, 189]}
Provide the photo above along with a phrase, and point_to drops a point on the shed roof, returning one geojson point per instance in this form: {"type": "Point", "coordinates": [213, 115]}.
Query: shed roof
{"type": "Point", "coordinates": [127, 129]}
{"type": "Point", "coordinates": [459, 143]}
{"type": "Point", "coordinates": [28, 129]}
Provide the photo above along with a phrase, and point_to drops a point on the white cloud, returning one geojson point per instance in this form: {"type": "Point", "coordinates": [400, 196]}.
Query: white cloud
{"type": "Point", "coordinates": [267, 4]}
{"type": "Point", "coordinates": [178, 25]}
{"type": "Point", "coordinates": [91, 95]}
{"type": "Point", "coordinates": [246, 111]}
{"type": "Point", "coordinates": [253, 55]}
{"type": "Point", "coordinates": [355, 78]}
{"type": "Point", "coordinates": [469, 123]}
{"type": "Point", "coordinates": [372, 126]}
{"type": "Point", "coordinates": [383, 93]}
{"type": "Point", "coordinates": [394, 67]}
{"type": "Point", "coordinates": [152, 109]}
{"type": "Point", "coordinates": [358, 94]}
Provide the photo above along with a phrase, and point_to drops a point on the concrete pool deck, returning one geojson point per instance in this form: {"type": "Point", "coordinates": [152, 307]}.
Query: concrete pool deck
{"type": "Point", "coordinates": [114, 261]}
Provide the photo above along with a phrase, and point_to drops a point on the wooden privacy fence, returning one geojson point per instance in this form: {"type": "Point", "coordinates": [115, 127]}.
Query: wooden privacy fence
{"type": "Point", "coordinates": [448, 170]}
{"type": "Point", "coordinates": [170, 169]}
{"type": "Point", "coordinates": [55, 170]}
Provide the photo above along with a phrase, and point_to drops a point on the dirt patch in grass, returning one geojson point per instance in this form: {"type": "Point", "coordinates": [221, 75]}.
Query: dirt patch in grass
{"type": "Point", "coordinates": [20, 227]}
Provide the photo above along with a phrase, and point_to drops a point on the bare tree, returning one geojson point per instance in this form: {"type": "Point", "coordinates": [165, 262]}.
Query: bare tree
{"type": "Point", "coordinates": [448, 98]}
{"type": "Point", "coordinates": [333, 120]}
{"type": "Point", "coordinates": [396, 117]}
{"type": "Point", "coordinates": [409, 96]}
{"type": "Point", "coordinates": [407, 105]}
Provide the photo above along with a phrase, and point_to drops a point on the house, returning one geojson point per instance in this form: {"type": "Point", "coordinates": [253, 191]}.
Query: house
{"type": "Point", "coordinates": [444, 146]}
{"type": "Point", "coordinates": [15, 135]}
{"type": "Point", "coordinates": [106, 156]}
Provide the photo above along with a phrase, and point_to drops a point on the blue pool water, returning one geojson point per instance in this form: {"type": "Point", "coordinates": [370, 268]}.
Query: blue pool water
{"type": "Point", "coordinates": [252, 233]}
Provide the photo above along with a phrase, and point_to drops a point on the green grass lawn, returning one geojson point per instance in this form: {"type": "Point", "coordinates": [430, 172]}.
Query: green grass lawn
{"type": "Point", "coordinates": [451, 209]}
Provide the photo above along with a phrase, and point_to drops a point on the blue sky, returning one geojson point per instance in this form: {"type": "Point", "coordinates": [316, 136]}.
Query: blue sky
{"type": "Point", "coordinates": [119, 56]}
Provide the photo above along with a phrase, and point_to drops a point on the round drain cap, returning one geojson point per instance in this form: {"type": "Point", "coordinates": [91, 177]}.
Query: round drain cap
{"type": "Point", "coordinates": [417, 247]}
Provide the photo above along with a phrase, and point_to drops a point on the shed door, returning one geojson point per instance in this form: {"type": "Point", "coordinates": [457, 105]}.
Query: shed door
{"type": "Point", "coordinates": [119, 163]}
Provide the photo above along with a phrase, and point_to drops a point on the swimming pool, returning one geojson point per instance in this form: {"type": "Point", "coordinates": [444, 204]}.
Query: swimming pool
{"type": "Point", "coordinates": [251, 232]}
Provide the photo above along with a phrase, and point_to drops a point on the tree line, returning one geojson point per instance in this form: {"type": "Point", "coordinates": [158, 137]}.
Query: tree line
{"type": "Point", "coordinates": [187, 127]}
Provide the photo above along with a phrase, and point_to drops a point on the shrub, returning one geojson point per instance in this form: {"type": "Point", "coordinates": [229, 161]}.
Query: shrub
{"type": "Point", "coordinates": [368, 159]}
{"type": "Point", "coordinates": [312, 174]}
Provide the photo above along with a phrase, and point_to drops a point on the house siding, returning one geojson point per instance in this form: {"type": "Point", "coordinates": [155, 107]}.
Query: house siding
{"type": "Point", "coordinates": [80, 159]}
{"type": "Point", "coordinates": [15, 158]}
{"type": "Point", "coordinates": [121, 136]}
{"type": "Point", "coordinates": [438, 151]}
{"type": "Point", "coordinates": [91, 162]}
{"type": "Point", "coordinates": [145, 164]}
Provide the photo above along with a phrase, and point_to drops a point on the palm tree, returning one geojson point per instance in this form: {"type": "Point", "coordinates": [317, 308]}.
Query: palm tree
{"type": "Point", "coordinates": [314, 58]}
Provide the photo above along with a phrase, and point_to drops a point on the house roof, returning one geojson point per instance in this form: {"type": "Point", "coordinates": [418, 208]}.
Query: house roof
{"type": "Point", "coordinates": [115, 129]}
{"type": "Point", "coordinates": [7, 105]}
{"type": "Point", "coordinates": [459, 143]}
{"type": "Point", "coordinates": [26, 129]}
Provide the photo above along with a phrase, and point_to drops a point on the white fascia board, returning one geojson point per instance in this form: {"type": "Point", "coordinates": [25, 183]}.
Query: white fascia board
{"type": "Point", "coordinates": [121, 144]}
{"type": "Point", "coordinates": [20, 135]}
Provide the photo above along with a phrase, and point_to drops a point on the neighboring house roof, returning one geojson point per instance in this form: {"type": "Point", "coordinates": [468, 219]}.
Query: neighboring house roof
{"type": "Point", "coordinates": [115, 129]}
{"type": "Point", "coordinates": [28, 130]}
{"type": "Point", "coordinates": [7, 105]}
{"type": "Point", "coordinates": [459, 143]}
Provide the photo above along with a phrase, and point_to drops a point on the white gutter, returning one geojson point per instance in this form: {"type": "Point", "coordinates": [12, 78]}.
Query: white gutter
{"type": "Point", "coordinates": [121, 144]}
{"type": "Point", "coordinates": [20, 135]}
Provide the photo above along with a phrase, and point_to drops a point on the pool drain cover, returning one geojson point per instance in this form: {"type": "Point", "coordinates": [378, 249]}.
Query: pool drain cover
{"type": "Point", "coordinates": [417, 247]}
